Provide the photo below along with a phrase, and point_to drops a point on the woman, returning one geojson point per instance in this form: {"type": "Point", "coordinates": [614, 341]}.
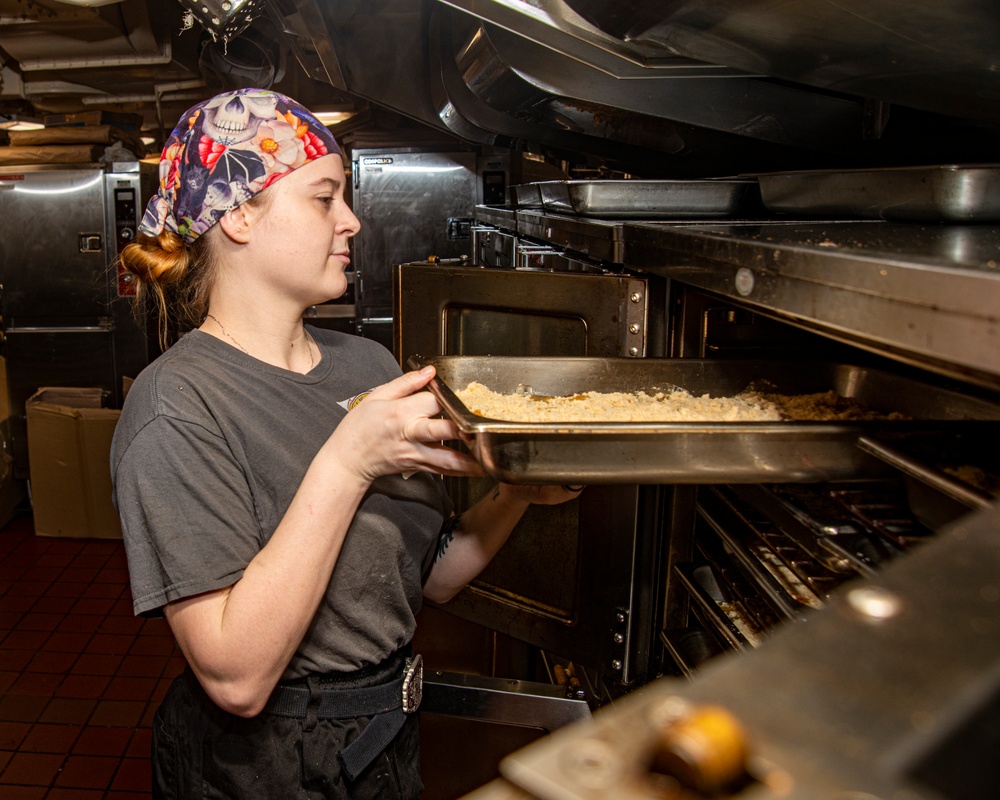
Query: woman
{"type": "Point", "coordinates": [279, 485]}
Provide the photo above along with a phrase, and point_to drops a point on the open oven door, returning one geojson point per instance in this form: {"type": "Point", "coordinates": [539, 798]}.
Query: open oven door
{"type": "Point", "coordinates": [572, 579]}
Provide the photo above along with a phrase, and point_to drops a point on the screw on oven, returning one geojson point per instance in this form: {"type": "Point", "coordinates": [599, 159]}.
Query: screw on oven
{"type": "Point", "coordinates": [744, 281]}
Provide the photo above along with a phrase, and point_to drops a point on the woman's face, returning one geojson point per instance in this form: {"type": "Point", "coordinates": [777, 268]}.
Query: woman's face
{"type": "Point", "coordinates": [299, 237]}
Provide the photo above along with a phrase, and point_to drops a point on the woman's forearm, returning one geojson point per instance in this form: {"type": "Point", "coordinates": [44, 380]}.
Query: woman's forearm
{"type": "Point", "coordinates": [466, 549]}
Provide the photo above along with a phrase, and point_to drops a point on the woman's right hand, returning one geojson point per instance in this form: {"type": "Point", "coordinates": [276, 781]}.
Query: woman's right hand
{"type": "Point", "coordinates": [396, 429]}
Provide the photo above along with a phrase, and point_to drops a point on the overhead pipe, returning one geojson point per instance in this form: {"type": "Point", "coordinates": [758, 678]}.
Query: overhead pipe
{"type": "Point", "coordinates": [165, 56]}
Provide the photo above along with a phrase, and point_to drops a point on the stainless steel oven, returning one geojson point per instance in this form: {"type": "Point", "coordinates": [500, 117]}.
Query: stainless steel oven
{"type": "Point", "coordinates": [771, 589]}
{"type": "Point", "coordinates": [574, 580]}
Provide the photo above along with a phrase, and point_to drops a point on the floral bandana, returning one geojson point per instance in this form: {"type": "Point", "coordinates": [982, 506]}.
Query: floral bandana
{"type": "Point", "coordinates": [226, 150]}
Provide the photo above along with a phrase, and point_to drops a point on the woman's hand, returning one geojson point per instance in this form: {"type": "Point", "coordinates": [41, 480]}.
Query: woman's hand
{"type": "Point", "coordinates": [395, 429]}
{"type": "Point", "coordinates": [542, 495]}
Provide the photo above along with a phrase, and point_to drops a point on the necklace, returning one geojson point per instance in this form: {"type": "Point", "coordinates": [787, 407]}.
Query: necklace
{"type": "Point", "coordinates": [305, 333]}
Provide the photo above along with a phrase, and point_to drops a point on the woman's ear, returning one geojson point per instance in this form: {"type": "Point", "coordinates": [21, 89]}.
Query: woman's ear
{"type": "Point", "coordinates": [235, 223]}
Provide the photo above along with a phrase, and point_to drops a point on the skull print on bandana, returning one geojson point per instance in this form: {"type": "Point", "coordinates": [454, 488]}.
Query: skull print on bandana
{"type": "Point", "coordinates": [226, 150]}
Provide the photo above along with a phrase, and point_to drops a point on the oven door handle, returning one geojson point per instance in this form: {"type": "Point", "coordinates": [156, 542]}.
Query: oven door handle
{"type": "Point", "coordinates": [931, 476]}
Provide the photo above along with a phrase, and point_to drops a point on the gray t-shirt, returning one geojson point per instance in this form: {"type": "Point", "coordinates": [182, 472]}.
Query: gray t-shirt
{"type": "Point", "coordinates": [209, 451]}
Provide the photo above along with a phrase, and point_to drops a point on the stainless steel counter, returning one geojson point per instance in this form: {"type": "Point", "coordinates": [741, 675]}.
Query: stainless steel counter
{"type": "Point", "coordinates": [593, 238]}
{"type": "Point", "coordinates": [927, 294]}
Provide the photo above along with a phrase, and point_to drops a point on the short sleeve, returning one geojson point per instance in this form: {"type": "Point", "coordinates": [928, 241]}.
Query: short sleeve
{"type": "Point", "coordinates": [187, 514]}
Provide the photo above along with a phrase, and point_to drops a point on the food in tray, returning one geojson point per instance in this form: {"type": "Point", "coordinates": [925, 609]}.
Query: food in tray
{"type": "Point", "coordinates": [825, 407]}
{"type": "Point", "coordinates": [668, 405]}
{"type": "Point", "coordinates": [977, 477]}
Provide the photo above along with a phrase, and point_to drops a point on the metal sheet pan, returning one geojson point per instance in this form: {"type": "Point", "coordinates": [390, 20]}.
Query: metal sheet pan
{"type": "Point", "coordinates": [946, 193]}
{"type": "Point", "coordinates": [527, 195]}
{"type": "Point", "coordinates": [652, 199]}
{"type": "Point", "coordinates": [731, 452]}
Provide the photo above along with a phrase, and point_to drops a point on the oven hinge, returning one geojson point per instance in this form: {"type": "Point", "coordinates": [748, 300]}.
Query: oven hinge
{"type": "Point", "coordinates": [635, 319]}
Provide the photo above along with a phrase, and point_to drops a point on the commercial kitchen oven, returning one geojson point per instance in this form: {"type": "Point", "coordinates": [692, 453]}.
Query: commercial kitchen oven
{"type": "Point", "coordinates": [808, 297]}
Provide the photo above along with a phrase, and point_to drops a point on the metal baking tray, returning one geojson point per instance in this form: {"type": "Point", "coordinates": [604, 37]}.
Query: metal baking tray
{"type": "Point", "coordinates": [946, 193]}
{"type": "Point", "coordinates": [729, 452]}
{"type": "Point", "coordinates": [527, 195]}
{"type": "Point", "coordinates": [652, 199]}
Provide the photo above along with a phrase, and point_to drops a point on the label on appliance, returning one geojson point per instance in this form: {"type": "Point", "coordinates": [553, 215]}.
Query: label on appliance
{"type": "Point", "coordinates": [373, 161]}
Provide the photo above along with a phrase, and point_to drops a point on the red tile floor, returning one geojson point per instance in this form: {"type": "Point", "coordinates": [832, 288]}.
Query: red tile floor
{"type": "Point", "coordinates": [80, 676]}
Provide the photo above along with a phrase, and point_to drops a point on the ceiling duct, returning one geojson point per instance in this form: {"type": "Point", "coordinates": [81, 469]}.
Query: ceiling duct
{"type": "Point", "coordinates": [254, 59]}
{"type": "Point", "coordinates": [65, 52]}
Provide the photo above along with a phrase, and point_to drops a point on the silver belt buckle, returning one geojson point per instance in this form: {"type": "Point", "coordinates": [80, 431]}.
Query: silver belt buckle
{"type": "Point", "coordinates": [413, 683]}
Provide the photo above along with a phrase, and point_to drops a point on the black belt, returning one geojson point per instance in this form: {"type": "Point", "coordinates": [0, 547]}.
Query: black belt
{"type": "Point", "coordinates": [387, 705]}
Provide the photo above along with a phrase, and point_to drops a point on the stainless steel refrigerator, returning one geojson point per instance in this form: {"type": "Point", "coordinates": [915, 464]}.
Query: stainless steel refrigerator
{"type": "Point", "coordinates": [67, 318]}
{"type": "Point", "coordinates": [413, 203]}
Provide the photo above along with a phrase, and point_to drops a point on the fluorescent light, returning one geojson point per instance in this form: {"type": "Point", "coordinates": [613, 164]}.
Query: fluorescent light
{"type": "Point", "coordinates": [19, 122]}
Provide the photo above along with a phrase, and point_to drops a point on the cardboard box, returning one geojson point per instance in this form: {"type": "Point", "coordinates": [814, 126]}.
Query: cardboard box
{"type": "Point", "coordinates": [69, 457]}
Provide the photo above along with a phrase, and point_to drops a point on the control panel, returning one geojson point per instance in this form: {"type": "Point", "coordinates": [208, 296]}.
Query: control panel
{"type": "Point", "coordinates": [126, 222]}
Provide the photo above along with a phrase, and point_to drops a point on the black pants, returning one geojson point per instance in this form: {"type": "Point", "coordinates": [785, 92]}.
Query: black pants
{"type": "Point", "coordinates": [200, 752]}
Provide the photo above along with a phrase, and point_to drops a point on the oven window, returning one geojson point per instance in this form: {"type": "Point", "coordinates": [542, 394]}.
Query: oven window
{"type": "Point", "coordinates": [522, 571]}
{"type": "Point", "coordinates": [488, 331]}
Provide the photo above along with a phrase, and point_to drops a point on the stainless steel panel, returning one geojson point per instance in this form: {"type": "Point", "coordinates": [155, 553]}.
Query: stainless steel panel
{"type": "Point", "coordinates": [594, 238]}
{"type": "Point", "coordinates": [48, 278]}
{"type": "Point", "coordinates": [404, 199]}
{"type": "Point", "coordinates": [503, 218]}
{"type": "Point", "coordinates": [724, 452]}
{"type": "Point", "coordinates": [949, 193]}
{"type": "Point", "coordinates": [501, 700]}
{"type": "Point", "coordinates": [925, 294]}
{"type": "Point", "coordinates": [651, 199]}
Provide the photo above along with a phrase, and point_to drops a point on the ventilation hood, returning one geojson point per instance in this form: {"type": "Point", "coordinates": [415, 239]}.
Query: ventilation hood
{"type": "Point", "coordinates": [655, 89]}
{"type": "Point", "coordinates": [688, 86]}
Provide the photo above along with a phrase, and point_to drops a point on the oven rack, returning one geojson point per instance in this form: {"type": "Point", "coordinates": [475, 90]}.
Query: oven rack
{"type": "Point", "coordinates": [761, 549]}
{"type": "Point", "coordinates": [763, 555]}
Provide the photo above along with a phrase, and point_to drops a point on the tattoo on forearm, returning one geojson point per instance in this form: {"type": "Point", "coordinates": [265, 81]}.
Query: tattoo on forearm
{"type": "Point", "coordinates": [446, 536]}
{"type": "Point", "coordinates": [443, 541]}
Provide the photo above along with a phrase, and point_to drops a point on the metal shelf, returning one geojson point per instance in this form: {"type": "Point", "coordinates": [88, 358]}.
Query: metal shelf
{"type": "Point", "coordinates": [924, 294]}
